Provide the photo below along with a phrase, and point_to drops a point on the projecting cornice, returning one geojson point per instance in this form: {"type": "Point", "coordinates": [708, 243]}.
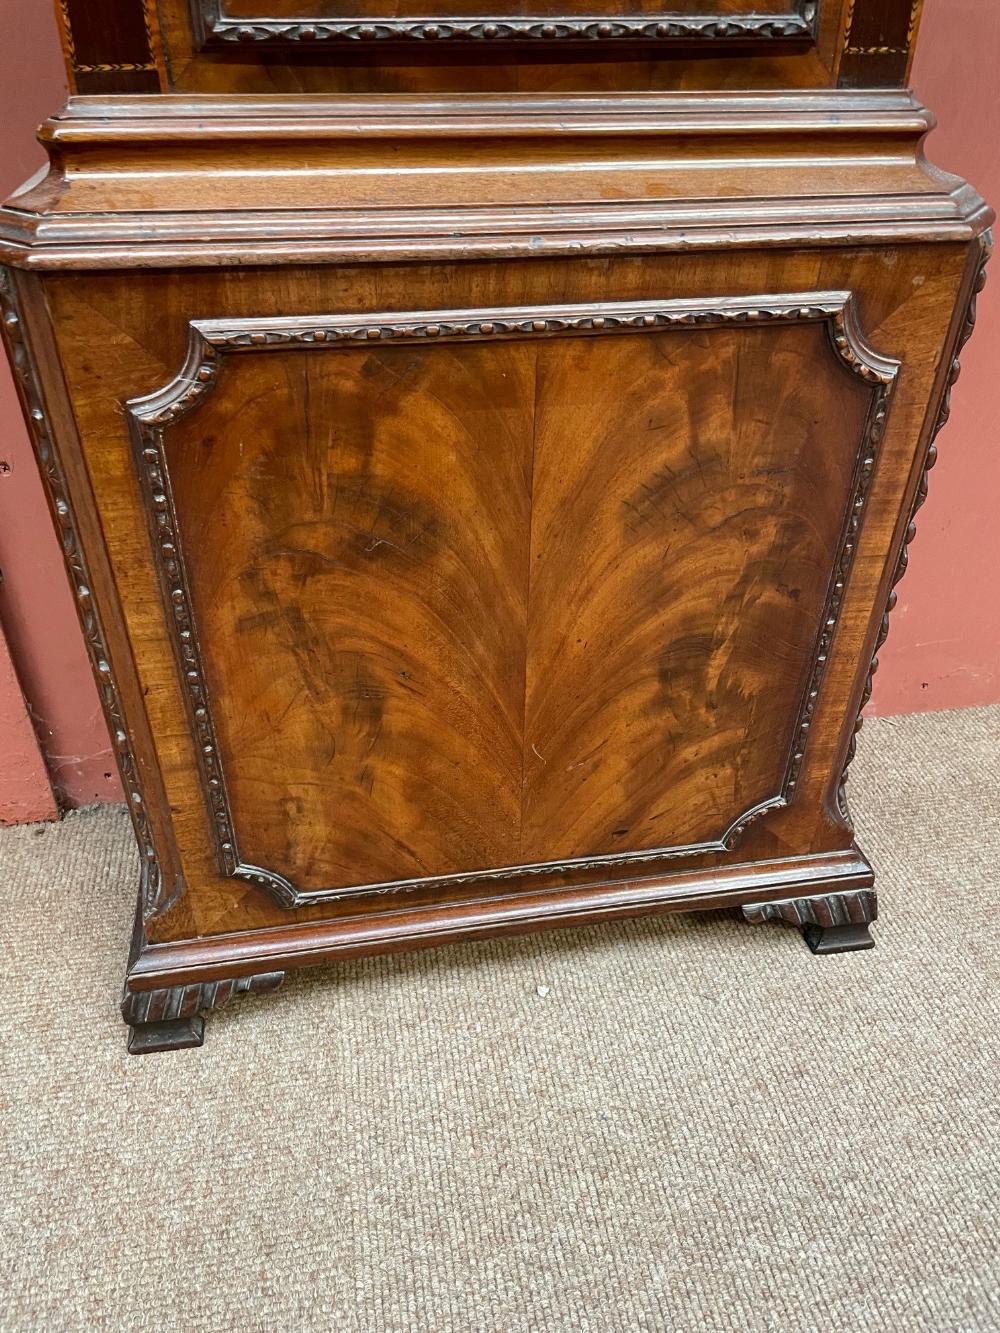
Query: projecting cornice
{"type": "Point", "coordinates": [281, 180]}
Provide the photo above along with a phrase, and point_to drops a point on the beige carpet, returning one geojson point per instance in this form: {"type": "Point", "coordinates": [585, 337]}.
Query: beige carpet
{"type": "Point", "coordinates": [684, 1124]}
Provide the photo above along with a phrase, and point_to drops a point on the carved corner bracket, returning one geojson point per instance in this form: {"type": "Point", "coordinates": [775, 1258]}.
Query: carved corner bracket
{"type": "Point", "coordinates": [171, 1018]}
{"type": "Point", "coordinates": [930, 458]}
{"type": "Point", "coordinates": [215, 28]}
{"type": "Point", "coordinates": [853, 907]}
{"type": "Point", "coordinates": [212, 340]}
{"type": "Point", "coordinates": [151, 892]}
{"type": "Point", "coordinates": [831, 923]}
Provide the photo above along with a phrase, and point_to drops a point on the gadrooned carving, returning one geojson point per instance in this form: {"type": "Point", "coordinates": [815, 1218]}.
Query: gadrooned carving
{"type": "Point", "coordinates": [211, 340]}
{"type": "Point", "coordinates": [799, 24]}
{"type": "Point", "coordinates": [851, 908]}
{"type": "Point", "coordinates": [930, 458]}
{"type": "Point", "coordinates": [60, 503]}
{"type": "Point", "coordinates": [174, 1002]}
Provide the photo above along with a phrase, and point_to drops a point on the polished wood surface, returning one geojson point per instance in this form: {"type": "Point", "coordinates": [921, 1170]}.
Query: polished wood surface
{"type": "Point", "coordinates": [373, 51]}
{"type": "Point", "coordinates": [111, 46]}
{"type": "Point", "coordinates": [498, 541]}
{"type": "Point", "coordinates": [143, 353]}
{"type": "Point", "coordinates": [162, 182]}
{"type": "Point", "coordinates": [674, 638]}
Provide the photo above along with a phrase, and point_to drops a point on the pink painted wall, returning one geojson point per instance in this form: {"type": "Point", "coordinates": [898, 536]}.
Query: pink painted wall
{"type": "Point", "coordinates": [36, 609]}
{"type": "Point", "coordinates": [944, 646]}
{"type": "Point", "coordinates": [25, 794]}
{"type": "Point", "coordinates": [944, 649]}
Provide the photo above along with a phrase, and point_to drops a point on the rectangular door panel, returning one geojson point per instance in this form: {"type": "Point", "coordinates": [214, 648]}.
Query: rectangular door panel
{"type": "Point", "coordinates": [461, 596]}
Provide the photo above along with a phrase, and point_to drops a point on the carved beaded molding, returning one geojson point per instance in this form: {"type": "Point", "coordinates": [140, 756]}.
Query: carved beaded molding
{"type": "Point", "coordinates": [799, 24]}
{"type": "Point", "coordinates": [212, 339]}
{"type": "Point", "coordinates": [61, 506]}
{"type": "Point", "coordinates": [930, 458]}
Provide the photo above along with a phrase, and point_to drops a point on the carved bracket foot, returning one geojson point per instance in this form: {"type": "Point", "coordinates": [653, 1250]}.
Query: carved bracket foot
{"type": "Point", "coordinates": [838, 939]}
{"type": "Point", "coordinates": [831, 923]}
{"type": "Point", "coordinates": [172, 1019]}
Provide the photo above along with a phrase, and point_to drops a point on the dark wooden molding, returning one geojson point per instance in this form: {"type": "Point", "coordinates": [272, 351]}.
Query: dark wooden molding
{"type": "Point", "coordinates": [930, 458]}
{"type": "Point", "coordinates": [829, 909]}
{"type": "Point", "coordinates": [172, 1017]}
{"type": "Point", "coordinates": [187, 978]}
{"type": "Point", "coordinates": [61, 506]}
{"type": "Point", "coordinates": [400, 925]}
{"type": "Point", "coordinates": [212, 340]}
{"type": "Point", "coordinates": [160, 1006]}
{"type": "Point", "coordinates": [214, 28]}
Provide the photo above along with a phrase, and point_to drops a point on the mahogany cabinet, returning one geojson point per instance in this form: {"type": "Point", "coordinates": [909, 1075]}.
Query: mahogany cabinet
{"type": "Point", "coordinates": [483, 507]}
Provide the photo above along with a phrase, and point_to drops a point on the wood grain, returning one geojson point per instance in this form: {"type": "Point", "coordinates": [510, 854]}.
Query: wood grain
{"type": "Point", "coordinates": [372, 727]}
{"type": "Point", "coordinates": [400, 46]}
{"type": "Point", "coordinates": [363, 609]}
{"type": "Point", "coordinates": [142, 350]}
{"type": "Point", "coordinates": [111, 47]}
{"type": "Point", "coordinates": [144, 182]}
{"type": "Point", "coordinates": [673, 637]}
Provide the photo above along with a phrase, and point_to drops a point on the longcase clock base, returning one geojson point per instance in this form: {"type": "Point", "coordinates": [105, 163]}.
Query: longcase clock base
{"type": "Point", "coordinates": [495, 540]}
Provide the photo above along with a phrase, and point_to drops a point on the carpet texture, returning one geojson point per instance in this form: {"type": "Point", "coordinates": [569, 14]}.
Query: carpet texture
{"type": "Point", "coordinates": [678, 1124]}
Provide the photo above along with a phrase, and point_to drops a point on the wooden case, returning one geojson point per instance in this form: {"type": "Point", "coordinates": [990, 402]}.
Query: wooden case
{"type": "Point", "coordinates": [482, 481]}
{"type": "Point", "coordinates": [494, 539]}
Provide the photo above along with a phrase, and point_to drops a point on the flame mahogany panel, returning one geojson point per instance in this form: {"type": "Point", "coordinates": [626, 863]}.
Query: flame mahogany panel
{"type": "Point", "coordinates": [144, 329]}
{"type": "Point", "coordinates": [498, 598]}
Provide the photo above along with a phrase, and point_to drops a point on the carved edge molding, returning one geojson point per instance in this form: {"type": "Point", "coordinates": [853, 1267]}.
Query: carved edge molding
{"type": "Point", "coordinates": [58, 494]}
{"type": "Point", "coordinates": [799, 24]}
{"type": "Point", "coordinates": [930, 458]}
{"type": "Point", "coordinates": [853, 907]}
{"type": "Point", "coordinates": [166, 1006]}
{"type": "Point", "coordinates": [882, 372]}
{"type": "Point", "coordinates": [210, 339]}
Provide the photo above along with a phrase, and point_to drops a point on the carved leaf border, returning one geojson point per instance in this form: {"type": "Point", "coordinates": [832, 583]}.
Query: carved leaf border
{"type": "Point", "coordinates": [799, 24]}
{"type": "Point", "coordinates": [211, 340]}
